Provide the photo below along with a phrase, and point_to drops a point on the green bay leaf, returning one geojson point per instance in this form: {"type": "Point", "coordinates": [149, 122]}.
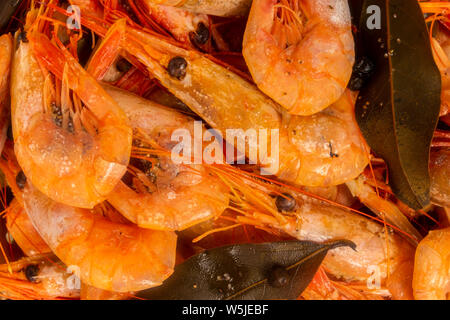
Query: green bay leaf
{"type": "Point", "coordinates": [246, 272]}
{"type": "Point", "coordinates": [398, 109]}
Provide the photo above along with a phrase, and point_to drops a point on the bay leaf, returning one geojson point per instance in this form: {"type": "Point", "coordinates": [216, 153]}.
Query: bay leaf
{"type": "Point", "coordinates": [398, 109]}
{"type": "Point", "coordinates": [7, 10]}
{"type": "Point", "coordinates": [276, 270]}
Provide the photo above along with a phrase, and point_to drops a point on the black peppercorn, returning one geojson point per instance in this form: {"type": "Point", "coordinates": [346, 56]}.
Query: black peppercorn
{"type": "Point", "coordinates": [201, 35]}
{"type": "Point", "coordinates": [362, 71]}
{"type": "Point", "coordinates": [177, 67]}
{"type": "Point", "coordinates": [21, 180]}
{"type": "Point", "coordinates": [279, 277]}
{"type": "Point", "coordinates": [123, 65]}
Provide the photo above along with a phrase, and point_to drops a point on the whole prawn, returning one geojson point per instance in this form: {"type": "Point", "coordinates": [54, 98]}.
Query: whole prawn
{"type": "Point", "coordinates": [157, 193]}
{"type": "Point", "coordinates": [75, 154]}
{"type": "Point", "coordinates": [299, 52]}
{"type": "Point", "coordinates": [163, 195]}
{"type": "Point", "coordinates": [281, 208]}
{"type": "Point", "coordinates": [108, 255]}
{"type": "Point", "coordinates": [197, 81]}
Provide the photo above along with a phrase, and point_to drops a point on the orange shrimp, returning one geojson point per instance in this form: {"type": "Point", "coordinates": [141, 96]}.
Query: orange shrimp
{"type": "Point", "coordinates": [440, 173]}
{"type": "Point", "coordinates": [22, 231]}
{"type": "Point", "coordinates": [432, 267]}
{"type": "Point", "coordinates": [223, 8]}
{"type": "Point", "coordinates": [92, 293]}
{"type": "Point", "coordinates": [41, 277]}
{"type": "Point", "coordinates": [108, 255]}
{"type": "Point", "coordinates": [171, 196]}
{"type": "Point", "coordinates": [303, 217]}
{"type": "Point", "coordinates": [185, 26]}
{"type": "Point", "coordinates": [91, 6]}
{"type": "Point", "coordinates": [317, 160]}
{"type": "Point", "coordinates": [331, 148]}
{"type": "Point", "coordinates": [74, 154]}
{"type": "Point", "coordinates": [323, 288]}
{"type": "Point", "coordinates": [156, 193]}
{"type": "Point", "coordinates": [381, 207]}
{"type": "Point", "coordinates": [18, 223]}
{"type": "Point", "coordinates": [300, 52]}
{"type": "Point", "coordinates": [440, 43]}
{"type": "Point", "coordinates": [6, 47]}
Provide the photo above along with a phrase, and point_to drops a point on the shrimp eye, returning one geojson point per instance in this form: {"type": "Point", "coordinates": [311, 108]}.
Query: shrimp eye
{"type": "Point", "coordinates": [285, 202]}
{"type": "Point", "coordinates": [31, 272]}
{"type": "Point", "coordinates": [123, 65]}
{"type": "Point", "coordinates": [22, 37]}
{"type": "Point", "coordinates": [279, 277]}
{"type": "Point", "coordinates": [177, 67]}
{"type": "Point", "coordinates": [201, 35]}
{"type": "Point", "coordinates": [21, 180]}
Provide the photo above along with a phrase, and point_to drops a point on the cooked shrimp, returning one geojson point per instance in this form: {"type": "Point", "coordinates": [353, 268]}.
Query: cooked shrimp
{"type": "Point", "coordinates": [323, 288]}
{"type": "Point", "coordinates": [74, 154]}
{"type": "Point", "coordinates": [440, 173]}
{"type": "Point", "coordinates": [305, 218]}
{"type": "Point", "coordinates": [108, 255]}
{"type": "Point", "coordinates": [319, 159]}
{"type": "Point", "coordinates": [432, 267]}
{"type": "Point", "coordinates": [185, 26]}
{"type": "Point", "coordinates": [164, 195]}
{"type": "Point", "coordinates": [383, 208]}
{"type": "Point", "coordinates": [441, 52]}
{"type": "Point", "coordinates": [6, 47]}
{"type": "Point", "coordinates": [41, 277]}
{"type": "Point", "coordinates": [224, 8]}
{"type": "Point", "coordinates": [18, 223]}
{"type": "Point", "coordinates": [92, 293]}
{"type": "Point", "coordinates": [91, 6]}
{"type": "Point", "coordinates": [22, 231]}
{"type": "Point", "coordinates": [300, 52]}
{"type": "Point", "coordinates": [320, 223]}
{"type": "Point", "coordinates": [331, 148]}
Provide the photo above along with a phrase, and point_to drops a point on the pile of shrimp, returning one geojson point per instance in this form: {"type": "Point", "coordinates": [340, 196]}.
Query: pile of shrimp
{"type": "Point", "coordinates": [95, 206]}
